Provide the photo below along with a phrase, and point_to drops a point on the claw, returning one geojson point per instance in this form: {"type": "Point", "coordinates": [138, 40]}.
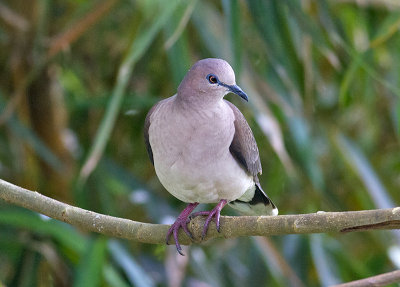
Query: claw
{"type": "Point", "coordinates": [185, 217]}
{"type": "Point", "coordinates": [181, 222]}
{"type": "Point", "coordinates": [213, 214]}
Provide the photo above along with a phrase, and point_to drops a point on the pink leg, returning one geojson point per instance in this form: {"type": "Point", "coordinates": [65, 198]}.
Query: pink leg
{"type": "Point", "coordinates": [181, 222]}
{"type": "Point", "coordinates": [214, 213]}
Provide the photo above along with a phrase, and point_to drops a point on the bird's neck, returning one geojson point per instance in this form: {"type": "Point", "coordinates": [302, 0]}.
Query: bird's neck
{"type": "Point", "coordinates": [199, 105]}
{"type": "Point", "coordinates": [198, 101]}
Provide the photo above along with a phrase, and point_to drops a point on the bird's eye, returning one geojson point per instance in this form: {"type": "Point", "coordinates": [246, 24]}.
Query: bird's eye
{"type": "Point", "coordinates": [212, 79]}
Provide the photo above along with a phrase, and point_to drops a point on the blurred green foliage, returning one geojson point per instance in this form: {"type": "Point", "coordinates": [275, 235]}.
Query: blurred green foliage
{"type": "Point", "coordinates": [78, 77]}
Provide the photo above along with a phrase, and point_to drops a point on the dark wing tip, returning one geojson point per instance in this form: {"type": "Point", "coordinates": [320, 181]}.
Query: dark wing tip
{"type": "Point", "coordinates": [261, 197]}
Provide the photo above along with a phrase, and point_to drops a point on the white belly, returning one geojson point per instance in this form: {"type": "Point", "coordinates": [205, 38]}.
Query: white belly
{"type": "Point", "coordinates": [224, 179]}
{"type": "Point", "coordinates": [194, 162]}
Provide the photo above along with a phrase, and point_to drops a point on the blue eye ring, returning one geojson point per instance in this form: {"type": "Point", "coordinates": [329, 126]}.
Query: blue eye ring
{"type": "Point", "coordinates": [212, 79]}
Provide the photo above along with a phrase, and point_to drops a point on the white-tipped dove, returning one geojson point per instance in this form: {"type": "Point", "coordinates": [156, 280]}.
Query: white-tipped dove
{"type": "Point", "coordinates": [203, 150]}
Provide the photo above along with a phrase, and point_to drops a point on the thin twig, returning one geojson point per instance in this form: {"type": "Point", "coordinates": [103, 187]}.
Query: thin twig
{"type": "Point", "coordinates": [13, 19]}
{"type": "Point", "coordinates": [60, 42]}
{"type": "Point", "coordinates": [66, 38]}
{"type": "Point", "coordinates": [271, 251]}
{"type": "Point", "coordinates": [391, 4]}
{"type": "Point", "coordinates": [231, 226]}
{"type": "Point", "coordinates": [375, 281]}
{"type": "Point", "coordinates": [181, 26]}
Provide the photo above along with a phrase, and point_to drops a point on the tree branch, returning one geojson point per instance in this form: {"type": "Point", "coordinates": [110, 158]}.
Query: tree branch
{"type": "Point", "coordinates": [376, 281]}
{"type": "Point", "coordinates": [231, 226]}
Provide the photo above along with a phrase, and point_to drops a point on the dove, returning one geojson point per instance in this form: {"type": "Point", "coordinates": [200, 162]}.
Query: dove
{"type": "Point", "coordinates": [203, 149]}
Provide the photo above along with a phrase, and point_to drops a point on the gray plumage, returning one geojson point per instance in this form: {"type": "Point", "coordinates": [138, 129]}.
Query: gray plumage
{"type": "Point", "coordinates": [203, 150]}
{"type": "Point", "coordinates": [244, 147]}
{"type": "Point", "coordinates": [208, 121]}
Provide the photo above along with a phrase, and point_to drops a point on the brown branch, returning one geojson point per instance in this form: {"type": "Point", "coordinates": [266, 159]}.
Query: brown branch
{"type": "Point", "coordinates": [390, 4]}
{"type": "Point", "coordinates": [59, 43]}
{"type": "Point", "coordinates": [231, 226]}
{"type": "Point", "coordinates": [13, 19]}
{"type": "Point", "coordinates": [376, 281]}
{"type": "Point", "coordinates": [66, 38]}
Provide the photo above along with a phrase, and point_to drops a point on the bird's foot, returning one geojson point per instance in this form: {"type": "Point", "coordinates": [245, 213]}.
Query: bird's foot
{"type": "Point", "coordinates": [213, 214]}
{"type": "Point", "coordinates": [181, 222]}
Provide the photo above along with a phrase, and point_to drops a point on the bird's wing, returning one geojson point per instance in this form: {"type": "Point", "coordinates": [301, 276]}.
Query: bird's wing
{"type": "Point", "coordinates": [146, 132]}
{"type": "Point", "coordinates": [244, 147]}
{"type": "Point", "coordinates": [147, 124]}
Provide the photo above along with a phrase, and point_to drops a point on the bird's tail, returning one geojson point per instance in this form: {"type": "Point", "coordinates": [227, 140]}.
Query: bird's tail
{"type": "Point", "coordinates": [255, 202]}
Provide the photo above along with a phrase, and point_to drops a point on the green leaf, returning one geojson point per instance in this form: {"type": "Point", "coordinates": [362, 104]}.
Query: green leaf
{"type": "Point", "coordinates": [326, 269]}
{"type": "Point", "coordinates": [61, 232]}
{"type": "Point", "coordinates": [113, 278]}
{"type": "Point", "coordinates": [177, 48]}
{"type": "Point", "coordinates": [363, 168]}
{"type": "Point", "coordinates": [29, 136]}
{"type": "Point", "coordinates": [137, 49]}
{"type": "Point", "coordinates": [88, 273]}
{"type": "Point", "coordinates": [348, 78]}
{"type": "Point", "coordinates": [386, 31]}
{"type": "Point", "coordinates": [135, 273]}
{"type": "Point", "coordinates": [397, 116]}
{"type": "Point", "coordinates": [233, 20]}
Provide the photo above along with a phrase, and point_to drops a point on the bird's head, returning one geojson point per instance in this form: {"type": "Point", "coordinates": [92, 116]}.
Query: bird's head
{"type": "Point", "coordinates": [209, 79]}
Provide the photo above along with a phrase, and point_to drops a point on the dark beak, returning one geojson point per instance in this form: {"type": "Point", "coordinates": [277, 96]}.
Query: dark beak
{"type": "Point", "coordinates": [238, 91]}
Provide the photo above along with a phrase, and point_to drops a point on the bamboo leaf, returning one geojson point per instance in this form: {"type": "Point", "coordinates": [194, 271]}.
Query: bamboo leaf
{"type": "Point", "coordinates": [33, 222]}
{"type": "Point", "coordinates": [138, 47]}
{"type": "Point", "coordinates": [365, 171]}
{"type": "Point", "coordinates": [324, 265]}
{"type": "Point", "coordinates": [91, 264]}
{"type": "Point", "coordinates": [136, 275]}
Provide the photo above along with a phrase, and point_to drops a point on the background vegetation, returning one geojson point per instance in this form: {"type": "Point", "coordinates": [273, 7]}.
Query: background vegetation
{"type": "Point", "coordinates": [78, 77]}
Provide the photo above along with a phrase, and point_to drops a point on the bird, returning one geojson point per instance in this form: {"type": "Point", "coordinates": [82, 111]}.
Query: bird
{"type": "Point", "coordinates": [203, 150]}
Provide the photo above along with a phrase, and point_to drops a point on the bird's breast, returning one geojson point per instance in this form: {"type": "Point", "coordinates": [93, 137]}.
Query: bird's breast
{"type": "Point", "coordinates": [193, 137]}
{"type": "Point", "coordinates": [192, 157]}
